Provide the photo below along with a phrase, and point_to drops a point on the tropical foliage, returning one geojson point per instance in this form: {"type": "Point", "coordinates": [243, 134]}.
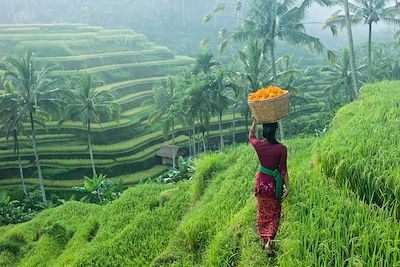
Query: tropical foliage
{"type": "Point", "coordinates": [89, 106]}
{"type": "Point", "coordinates": [184, 171]}
{"type": "Point", "coordinates": [368, 12]}
{"type": "Point", "coordinates": [18, 211]}
{"type": "Point", "coordinates": [99, 189]}
{"type": "Point", "coordinates": [35, 95]}
{"type": "Point", "coordinates": [134, 97]}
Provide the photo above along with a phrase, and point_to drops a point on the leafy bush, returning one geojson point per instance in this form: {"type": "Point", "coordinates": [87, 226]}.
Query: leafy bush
{"type": "Point", "coordinates": [15, 211]}
{"type": "Point", "coordinates": [184, 171]}
{"type": "Point", "coordinates": [100, 189]}
{"type": "Point", "coordinates": [11, 211]}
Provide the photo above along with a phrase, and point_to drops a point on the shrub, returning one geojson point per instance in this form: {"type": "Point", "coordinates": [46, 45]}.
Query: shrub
{"type": "Point", "coordinates": [12, 212]}
{"type": "Point", "coordinates": [184, 171]}
{"type": "Point", "coordinates": [99, 189]}
{"type": "Point", "coordinates": [15, 211]}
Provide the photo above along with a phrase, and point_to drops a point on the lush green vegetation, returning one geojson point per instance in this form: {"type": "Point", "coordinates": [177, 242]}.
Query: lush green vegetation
{"type": "Point", "coordinates": [361, 151]}
{"type": "Point", "coordinates": [84, 101]}
{"type": "Point", "coordinates": [209, 221]}
{"type": "Point", "coordinates": [77, 46]}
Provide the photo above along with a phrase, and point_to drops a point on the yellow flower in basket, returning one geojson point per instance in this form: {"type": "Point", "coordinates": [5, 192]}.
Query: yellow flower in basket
{"type": "Point", "coordinates": [267, 93]}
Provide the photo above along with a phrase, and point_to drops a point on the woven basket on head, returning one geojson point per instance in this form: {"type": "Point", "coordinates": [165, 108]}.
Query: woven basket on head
{"type": "Point", "coordinates": [270, 110]}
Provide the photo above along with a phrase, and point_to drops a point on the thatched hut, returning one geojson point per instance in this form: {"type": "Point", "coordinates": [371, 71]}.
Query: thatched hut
{"type": "Point", "coordinates": [166, 153]}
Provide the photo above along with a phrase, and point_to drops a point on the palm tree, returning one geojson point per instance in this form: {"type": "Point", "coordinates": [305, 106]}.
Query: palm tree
{"type": "Point", "coordinates": [253, 64]}
{"type": "Point", "coordinates": [188, 113]}
{"type": "Point", "coordinates": [252, 74]}
{"type": "Point", "coordinates": [386, 64]}
{"type": "Point", "coordinates": [189, 119]}
{"type": "Point", "coordinates": [295, 80]}
{"type": "Point", "coordinates": [12, 118]}
{"type": "Point", "coordinates": [239, 103]}
{"type": "Point", "coordinates": [220, 88]}
{"type": "Point", "coordinates": [166, 106]}
{"type": "Point", "coordinates": [368, 11]}
{"type": "Point", "coordinates": [38, 95]}
{"type": "Point", "coordinates": [339, 77]}
{"type": "Point", "coordinates": [89, 106]}
{"type": "Point", "coordinates": [271, 20]}
{"type": "Point", "coordinates": [351, 47]}
{"type": "Point", "coordinates": [199, 104]}
{"type": "Point", "coordinates": [204, 62]}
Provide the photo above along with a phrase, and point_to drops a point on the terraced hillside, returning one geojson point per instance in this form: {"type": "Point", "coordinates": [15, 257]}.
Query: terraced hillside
{"type": "Point", "coordinates": [129, 66]}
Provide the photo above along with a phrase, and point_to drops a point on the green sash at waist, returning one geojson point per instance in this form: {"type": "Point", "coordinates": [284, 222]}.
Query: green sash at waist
{"type": "Point", "coordinates": [278, 180]}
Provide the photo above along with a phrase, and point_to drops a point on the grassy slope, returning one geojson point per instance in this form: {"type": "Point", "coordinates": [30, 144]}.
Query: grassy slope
{"type": "Point", "coordinates": [210, 221]}
{"type": "Point", "coordinates": [361, 150]}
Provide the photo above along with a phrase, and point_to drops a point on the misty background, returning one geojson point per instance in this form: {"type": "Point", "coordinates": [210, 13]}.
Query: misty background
{"type": "Point", "coordinates": [177, 24]}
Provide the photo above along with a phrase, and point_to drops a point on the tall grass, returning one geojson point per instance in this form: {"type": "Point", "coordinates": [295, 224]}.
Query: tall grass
{"type": "Point", "coordinates": [329, 226]}
{"type": "Point", "coordinates": [129, 232]}
{"type": "Point", "coordinates": [362, 148]}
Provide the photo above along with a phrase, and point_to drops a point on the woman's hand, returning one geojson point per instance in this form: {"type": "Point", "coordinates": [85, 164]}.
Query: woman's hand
{"type": "Point", "coordinates": [285, 192]}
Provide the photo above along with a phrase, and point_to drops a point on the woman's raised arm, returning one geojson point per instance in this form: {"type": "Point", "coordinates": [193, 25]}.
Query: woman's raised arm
{"type": "Point", "coordinates": [252, 133]}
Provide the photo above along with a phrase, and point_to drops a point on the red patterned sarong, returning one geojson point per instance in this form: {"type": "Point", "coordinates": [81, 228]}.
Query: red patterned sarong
{"type": "Point", "coordinates": [268, 215]}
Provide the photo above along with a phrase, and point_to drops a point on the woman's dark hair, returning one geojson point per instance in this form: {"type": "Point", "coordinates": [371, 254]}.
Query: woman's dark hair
{"type": "Point", "coordinates": [269, 132]}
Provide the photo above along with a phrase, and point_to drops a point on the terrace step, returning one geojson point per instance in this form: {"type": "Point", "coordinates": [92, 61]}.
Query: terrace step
{"type": "Point", "coordinates": [124, 148]}
{"type": "Point", "coordinates": [139, 162]}
{"type": "Point", "coordinates": [78, 47]}
{"type": "Point", "coordinates": [63, 184]}
{"type": "Point", "coordinates": [112, 67]}
{"type": "Point", "coordinates": [106, 58]}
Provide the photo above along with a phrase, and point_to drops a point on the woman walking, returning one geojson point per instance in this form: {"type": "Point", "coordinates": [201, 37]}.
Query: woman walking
{"type": "Point", "coordinates": [269, 188]}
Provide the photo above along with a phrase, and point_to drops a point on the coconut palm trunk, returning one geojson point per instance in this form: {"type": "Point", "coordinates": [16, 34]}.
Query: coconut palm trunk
{"type": "Point", "coordinates": [199, 140]}
{"type": "Point", "coordinates": [272, 40]}
{"type": "Point", "coordinates": [204, 143]}
{"type": "Point", "coordinates": [194, 139]}
{"type": "Point", "coordinates": [37, 159]}
{"type": "Point", "coordinates": [204, 139]}
{"type": "Point", "coordinates": [351, 47]}
{"type": "Point", "coordinates": [274, 76]}
{"type": "Point", "coordinates": [90, 148]}
{"type": "Point", "coordinates": [221, 137]}
{"type": "Point", "coordinates": [173, 145]}
{"type": "Point", "coordinates": [234, 126]}
{"type": "Point", "coordinates": [183, 13]}
{"type": "Point", "coordinates": [273, 63]}
{"type": "Point", "coordinates": [21, 172]}
{"type": "Point", "coordinates": [190, 142]}
{"type": "Point", "coordinates": [369, 51]}
{"type": "Point", "coordinates": [348, 90]}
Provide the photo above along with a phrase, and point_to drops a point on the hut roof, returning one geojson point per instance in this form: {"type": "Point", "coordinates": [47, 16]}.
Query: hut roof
{"type": "Point", "coordinates": [167, 151]}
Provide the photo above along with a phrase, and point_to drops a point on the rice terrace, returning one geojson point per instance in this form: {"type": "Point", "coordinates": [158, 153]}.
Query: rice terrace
{"type": "Point", "coordinates": [200, 133]}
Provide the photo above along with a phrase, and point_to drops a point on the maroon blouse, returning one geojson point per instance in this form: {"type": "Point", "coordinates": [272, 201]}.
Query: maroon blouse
{"type": "Point", "coordinates": [271, 156]}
